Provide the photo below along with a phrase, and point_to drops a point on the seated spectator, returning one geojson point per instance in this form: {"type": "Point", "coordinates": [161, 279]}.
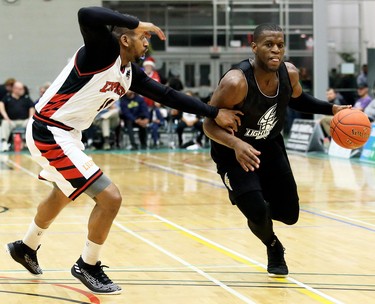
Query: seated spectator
{"type": "Point", "coordinates": [335, 98]}
{"type": "Point", "coordinates": [156, 121]}
{"type": "Point", "coordinates": [42, 89]}
{"type": "Point", "coordinates": [6, 88]}
{"type": "Point", "coordinates": [362, 77]}
{"type": "Point", "coordinates": [107, 119]}
{"type": "Point", "coordinates": [135, 113]}
{"type": "Point", "coordinates": [88, 136]}
{"type": "Point", "coordinates": [16, 109]}
{"type": "Point", "coordinates": [364, 98]}
{"type": "Point", "coordinates": [190, 120]}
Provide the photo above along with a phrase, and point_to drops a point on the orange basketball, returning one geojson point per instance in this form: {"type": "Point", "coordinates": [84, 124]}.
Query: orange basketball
{"type": "Point", "coordinates": [350, 128]}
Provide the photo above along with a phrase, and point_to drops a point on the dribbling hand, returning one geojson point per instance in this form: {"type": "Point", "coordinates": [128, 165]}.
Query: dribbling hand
{"type": "Point", "coordinates": [337, 108]}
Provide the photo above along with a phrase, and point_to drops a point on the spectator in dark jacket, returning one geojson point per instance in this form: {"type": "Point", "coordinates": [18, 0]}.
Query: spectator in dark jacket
{"type": "Point", "coordinates": [135, 114]}
{"type": "Point", "coordinates": [16, 109]}
{"type": "Point", "coordinates": [156, 121]}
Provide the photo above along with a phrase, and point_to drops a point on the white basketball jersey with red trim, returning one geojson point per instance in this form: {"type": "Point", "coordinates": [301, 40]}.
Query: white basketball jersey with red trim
{"type": "Point", "coordinates": [75, 98]}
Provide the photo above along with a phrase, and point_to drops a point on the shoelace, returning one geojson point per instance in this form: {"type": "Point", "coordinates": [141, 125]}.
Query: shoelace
{"type": "Point", "coordinates": [100, 274]}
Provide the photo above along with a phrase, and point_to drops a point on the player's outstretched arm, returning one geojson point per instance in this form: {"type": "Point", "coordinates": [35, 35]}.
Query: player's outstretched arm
{"type": "Point", "coordinates": [96, 16]}
{"type": "Point", "coordinates": [232, 91]}
{"type": "Point", "coordinates": [146, 86]}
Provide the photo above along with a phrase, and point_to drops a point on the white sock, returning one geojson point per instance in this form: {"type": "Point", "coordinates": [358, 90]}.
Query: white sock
{"type": "Point", "coordinates": [91, 251]}
{"type": "Point", "coordinates": [33, 236]}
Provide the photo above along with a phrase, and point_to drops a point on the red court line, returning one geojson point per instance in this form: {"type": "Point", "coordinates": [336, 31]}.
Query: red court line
{"type": "Point", "coordinates": [92, 298]}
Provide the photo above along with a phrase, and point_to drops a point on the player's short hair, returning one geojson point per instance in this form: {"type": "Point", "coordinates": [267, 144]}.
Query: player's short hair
{"type": "Point", "coordinates": [265, 27]}
{"type": "Point", "coordinates": [118, 31]}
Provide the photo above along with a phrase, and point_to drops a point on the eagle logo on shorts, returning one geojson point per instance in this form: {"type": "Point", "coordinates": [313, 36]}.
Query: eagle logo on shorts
{"type": "Point", "coordinates": [227, 182]}
{"type": "Point", "coordinates": [266, 124]}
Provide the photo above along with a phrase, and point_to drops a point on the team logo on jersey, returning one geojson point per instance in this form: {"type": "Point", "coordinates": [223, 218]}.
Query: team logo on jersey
{"type": "Point", "coordinates": [113, 87]}
{"type": "Point", "coordinates": [266, 124]}
{"type": "Point", "coordinates": [227, 182]}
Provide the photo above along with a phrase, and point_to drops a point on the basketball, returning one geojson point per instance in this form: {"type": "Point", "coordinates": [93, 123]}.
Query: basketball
{"type": "Point", "coordinates": [350, 128]}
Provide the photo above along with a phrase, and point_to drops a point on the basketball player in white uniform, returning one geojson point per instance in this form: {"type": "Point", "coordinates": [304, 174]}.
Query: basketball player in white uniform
{"type": "Point", "coordinates": [99, 73]}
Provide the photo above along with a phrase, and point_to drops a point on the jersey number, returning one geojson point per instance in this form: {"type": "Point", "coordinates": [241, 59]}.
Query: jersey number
{"type": "Point", "coordinates": [105, 104]}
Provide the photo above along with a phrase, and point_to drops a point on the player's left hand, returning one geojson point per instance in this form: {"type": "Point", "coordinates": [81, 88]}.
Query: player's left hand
{"type": "Point", "coordinates": [229, 120]}
{"type": "Point", "coordinates": [147, 27]}
{"type": "Point", "coordinates": [337, 108]}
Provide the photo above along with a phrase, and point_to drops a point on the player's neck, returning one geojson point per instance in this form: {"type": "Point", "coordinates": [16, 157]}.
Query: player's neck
{"type": "Point", "coordinates": [263, 76]}
{"type": "Point", "coordinates": [124, 58]}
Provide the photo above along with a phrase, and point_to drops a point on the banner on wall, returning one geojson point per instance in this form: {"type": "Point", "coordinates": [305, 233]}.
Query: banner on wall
{"type": "Point", "coordinates": [306, 135]}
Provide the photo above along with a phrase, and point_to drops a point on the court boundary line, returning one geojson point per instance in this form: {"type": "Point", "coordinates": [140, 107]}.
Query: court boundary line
{"type": "Point", "coordinates": [185, 164]}
{"type": "Point", "coordinates": [169, 169]}
{"type": "Point", "coordinates": [221, 186]}
{"type": "Point", "coordinates": [348, 218]}
{"type": "Point", "coordinates": [241, 258]}
{"type": "Point", "coordinates": [171, 255]}
{"type": "Point", "coordinates": [184, 262]}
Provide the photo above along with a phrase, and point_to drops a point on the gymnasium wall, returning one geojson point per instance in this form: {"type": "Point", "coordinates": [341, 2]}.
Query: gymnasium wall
{"type": "Point", "coordinates": [37, 37]}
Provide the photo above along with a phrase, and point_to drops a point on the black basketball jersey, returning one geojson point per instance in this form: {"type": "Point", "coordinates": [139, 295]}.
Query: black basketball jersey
{"type": "Point", "coordinates": [264, 116]}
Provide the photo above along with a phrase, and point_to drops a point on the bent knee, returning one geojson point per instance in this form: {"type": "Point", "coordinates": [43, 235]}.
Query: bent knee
{"type": "Point", "coordinates": [115, 200]}
{"type": "Point", "coordinates": [110, 198]}
{"type": "Point", "coordinates": [291, 220]}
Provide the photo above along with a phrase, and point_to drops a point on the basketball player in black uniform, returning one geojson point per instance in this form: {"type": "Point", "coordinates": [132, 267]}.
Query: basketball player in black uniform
{"type": "Point", "coordinates": [98, 74]}
{"type": "Point", "coordinates": [252, 162]}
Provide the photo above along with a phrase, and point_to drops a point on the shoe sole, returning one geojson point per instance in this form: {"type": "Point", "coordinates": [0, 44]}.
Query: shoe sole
{"type": "Point", "coordinates": [14, 257]}
{"type": "Point", "coordinates": [78, 278]}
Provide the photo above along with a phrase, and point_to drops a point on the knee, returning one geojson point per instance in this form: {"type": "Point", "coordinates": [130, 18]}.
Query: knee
{"type": "Point", "coordinates": [115, 201]}
{"type": "Point", "coordinates": [291, 220]}
{"type": "Point", "coordinates": [111, 203]}
{"type": "Point", "coordinates": [292, 217]}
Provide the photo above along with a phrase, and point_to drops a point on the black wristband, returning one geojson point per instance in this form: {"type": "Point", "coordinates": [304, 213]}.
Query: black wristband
{"type": "Point", "coordinates": [215, 112]}
{"type": "Point", "coordinates": [309, 104]}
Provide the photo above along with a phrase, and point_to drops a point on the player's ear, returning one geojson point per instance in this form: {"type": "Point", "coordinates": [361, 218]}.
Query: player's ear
{"type": "Point", "coordinates": [253, 47]}
{"type": "Point", "coordinates": [125, 39]}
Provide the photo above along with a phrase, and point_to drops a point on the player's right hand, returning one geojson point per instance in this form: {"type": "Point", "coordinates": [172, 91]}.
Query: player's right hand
{"type": "Point", "coordinates": [246, 155]}
{"type": "Point", "coordinates": [147, 27]}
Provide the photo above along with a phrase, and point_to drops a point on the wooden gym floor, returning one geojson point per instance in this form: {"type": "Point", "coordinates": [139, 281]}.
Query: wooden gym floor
{"type": "Point", "coordinates": [177, 239]}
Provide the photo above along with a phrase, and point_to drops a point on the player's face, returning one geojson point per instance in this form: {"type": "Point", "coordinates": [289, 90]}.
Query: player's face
{"type": "Point", "coordinates": [269, 50]}
{"type": "Point", "coordinates": [138, 46]}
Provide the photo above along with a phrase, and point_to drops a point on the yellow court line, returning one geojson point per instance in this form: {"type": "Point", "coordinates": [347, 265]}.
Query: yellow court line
{"type": "Point", "coordinates": [301, 287]}
{"type": "Point", "coordinates": [304, 289]}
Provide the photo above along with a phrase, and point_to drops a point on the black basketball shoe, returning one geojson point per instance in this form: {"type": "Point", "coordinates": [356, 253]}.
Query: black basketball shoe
{"type": "Point", "coordinates": [277, 267]}
{"type": "Point", "coordinates": [94, 278]}
{"type": "Point", "coordinates": [24, 255]}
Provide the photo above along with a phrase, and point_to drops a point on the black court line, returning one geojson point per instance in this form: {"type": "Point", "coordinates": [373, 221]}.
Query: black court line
{"type": "Point", "coordinates": [43, 296]}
